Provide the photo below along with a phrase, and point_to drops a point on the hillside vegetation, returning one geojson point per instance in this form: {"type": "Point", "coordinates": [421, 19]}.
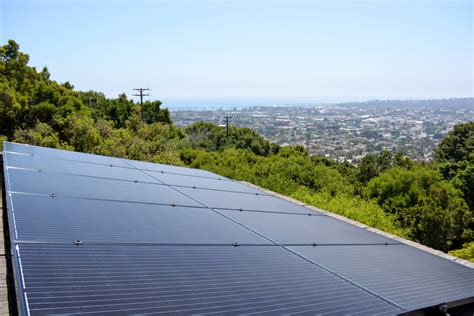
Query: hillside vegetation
{"type": "Point", "coordinates": [429, 203]}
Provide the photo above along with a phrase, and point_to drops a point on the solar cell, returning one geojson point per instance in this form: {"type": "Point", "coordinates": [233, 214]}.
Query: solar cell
{"type": "Point", "coordinates": [217, 280]}
{"type": "Point", "coordinates": [410, 277]}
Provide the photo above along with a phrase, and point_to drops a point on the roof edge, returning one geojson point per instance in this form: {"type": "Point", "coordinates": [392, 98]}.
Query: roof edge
{"type": "Point", "coordinates": [414, 244]}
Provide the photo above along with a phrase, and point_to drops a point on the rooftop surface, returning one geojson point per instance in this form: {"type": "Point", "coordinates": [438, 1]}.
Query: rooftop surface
{"type": "Point", "coordinates": [101, 235]}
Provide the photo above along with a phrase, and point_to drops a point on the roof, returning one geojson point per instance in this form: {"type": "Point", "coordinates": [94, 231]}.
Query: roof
{"type": "Point", "coordinates": [101, 235]}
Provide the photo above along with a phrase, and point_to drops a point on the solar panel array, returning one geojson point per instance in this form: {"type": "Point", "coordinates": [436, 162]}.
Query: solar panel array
{"type": "Point", "coordinates": [101, 235]}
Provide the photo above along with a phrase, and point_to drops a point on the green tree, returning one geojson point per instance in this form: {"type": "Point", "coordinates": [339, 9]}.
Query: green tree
{"type": "Point", "coordinates": [430, 207]}
{"type": "Point", "coordinates": [457, 145]}
{"type": "Point", "coordinates": [153, 113]}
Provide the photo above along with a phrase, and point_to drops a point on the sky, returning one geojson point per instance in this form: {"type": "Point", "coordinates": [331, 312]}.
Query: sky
{"type": "Point", "coordinates": [236, 51]}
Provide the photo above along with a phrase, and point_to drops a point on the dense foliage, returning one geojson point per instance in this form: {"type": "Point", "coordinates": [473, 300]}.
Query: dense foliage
{"type": "Point", "coordinates": [429, 203]}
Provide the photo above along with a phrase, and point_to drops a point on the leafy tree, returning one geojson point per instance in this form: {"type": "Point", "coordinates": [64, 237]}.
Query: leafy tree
{"type": "Point", "coordinates": [430, 207]}
{"type": "Point", "coordinates": [458, 145]}
{"type": "Point", "coordinates": [152, 113]}
{"type": "Point", "coordinates": [455, 155]}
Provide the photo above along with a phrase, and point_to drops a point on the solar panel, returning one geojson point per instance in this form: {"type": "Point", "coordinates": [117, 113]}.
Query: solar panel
{"type": "Point", "coordinates": [61, 154]}
{"type": "Point", "coordinates": [320, 230]}
{"type": "Point", "coordinates": [63, 219]}
{"type": "Point", "coordinates": [249, 202]}
{"type": "Point", "coordinates": [190, 172]}
{"type": "Point", "coordinates": [410, 277]}
{"type": "Point", "coordinates": [99, 235]}
{"type": "Point", "coordinates": [57, 185]}
{"type": "Point", "coordinates": [202, 183]}
{"type": "Point", "coordinates": [184, 280]}
{"type": "Point", "coordinates": [44, 164]}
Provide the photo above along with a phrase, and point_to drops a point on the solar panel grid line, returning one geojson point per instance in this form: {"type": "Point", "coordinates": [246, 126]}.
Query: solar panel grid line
{"type": "Point", "coordinates": [299, 304]}
{"type": "Point", "coordinates": [349, 305]}
{"type": "Point", "coordinates": [364, 310]}
{"type": "Point", "coordinates": [271, 212]}
{"type": "Point", "coordinates": [420, 297]}
{"type": "Point", "coordinates": [395, 272]}
{"type": "Point", "coordinates": [217, 288]}
{"type": "Point", "coordinates": [236, 302]}
{"type": "Point", "coordinates": [324, 296]}
{"type": "Point", "coordinates": [165, 293]}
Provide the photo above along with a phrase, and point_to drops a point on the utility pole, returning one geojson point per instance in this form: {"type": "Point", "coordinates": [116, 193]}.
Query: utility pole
{"type": "Point", "coordinates": [141, 95]}
{"type": "Point", "coordinates": [227, 125]}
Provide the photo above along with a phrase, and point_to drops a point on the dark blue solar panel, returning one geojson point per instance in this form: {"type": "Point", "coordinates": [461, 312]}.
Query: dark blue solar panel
{"type": "Point", "coordinates": [60, 219]}
{"type": "Point", "coordinates": [61, 154]}
{"type": "Point", "coordinates": [405, 275]}
{"type": "Point", "coordinates": [97, 188]}
{"type": "Point", "coordinates": [220, 280]}
{"type": "Point", "coordinates": [289, 229]}
{"type": "Point", "coordinates": [51, 165]}
{"type": "Point", "coordinates": [172, 169]}
{"type": "Point", "coordinates": [200, 182]}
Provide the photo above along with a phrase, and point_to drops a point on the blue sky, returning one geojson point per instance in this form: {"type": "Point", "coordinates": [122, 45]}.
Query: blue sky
{"type": "Point", "coordinates": [226, 50]}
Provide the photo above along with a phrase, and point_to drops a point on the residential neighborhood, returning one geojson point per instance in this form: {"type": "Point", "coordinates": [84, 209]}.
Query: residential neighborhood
{"type": "Point", "coordinates": [347, 131]}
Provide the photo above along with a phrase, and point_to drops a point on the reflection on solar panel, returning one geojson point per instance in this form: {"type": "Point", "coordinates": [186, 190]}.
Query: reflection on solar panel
{"type": "Point", "coordinates": [100, 235]}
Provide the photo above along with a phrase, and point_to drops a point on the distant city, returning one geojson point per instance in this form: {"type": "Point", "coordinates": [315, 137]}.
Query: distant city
{"type": "Point", "coordinates": [347, 131]}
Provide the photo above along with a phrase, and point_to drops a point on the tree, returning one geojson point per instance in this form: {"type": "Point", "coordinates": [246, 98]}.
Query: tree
{"type": "Point", "coordinates": [457, 145]}
{"type": "Point", "coordinates": [455, 155]}
{"type": "Point", "coordinates": [424, 203]}
{"type": "Point", "coordinates": [152, 113]}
